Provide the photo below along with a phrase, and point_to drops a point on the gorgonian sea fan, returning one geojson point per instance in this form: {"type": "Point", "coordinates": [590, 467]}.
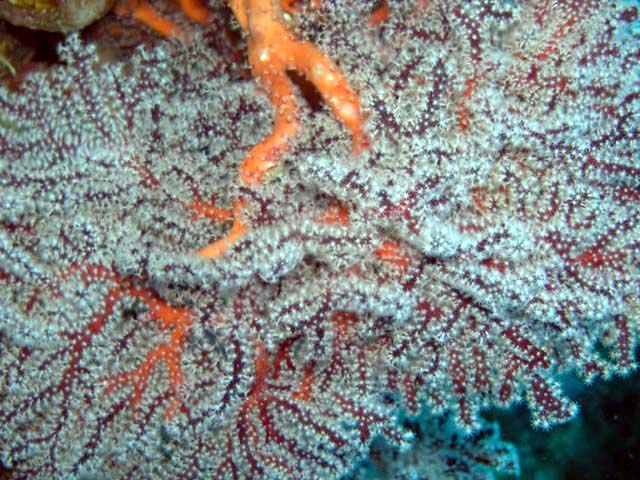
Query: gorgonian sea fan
{"type": "Point", "coordinates": [484, 244]}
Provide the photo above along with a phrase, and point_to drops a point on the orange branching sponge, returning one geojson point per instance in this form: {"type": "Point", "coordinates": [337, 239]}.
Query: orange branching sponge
{"type": "Point", "coordinates": [273, 50]}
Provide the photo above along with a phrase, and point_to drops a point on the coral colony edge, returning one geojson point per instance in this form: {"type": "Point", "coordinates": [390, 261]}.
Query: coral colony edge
{"type": "Point", "coordinates": [419, 206]}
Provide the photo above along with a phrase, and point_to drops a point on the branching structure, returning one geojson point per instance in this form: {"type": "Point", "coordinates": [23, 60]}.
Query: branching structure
{"type": "Point", "coordinates": [485, 243]}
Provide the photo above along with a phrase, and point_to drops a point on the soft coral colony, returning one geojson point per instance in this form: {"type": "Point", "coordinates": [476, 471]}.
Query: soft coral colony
{"type": "Point", "coordinates": [206, 279]}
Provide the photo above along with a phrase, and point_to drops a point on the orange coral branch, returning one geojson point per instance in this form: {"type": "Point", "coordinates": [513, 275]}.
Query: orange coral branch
{"type": "Point", "coordinates": [391, 252]}
{"type": "Point", "coordinates": [145, 13]}
{"type": "Point", "coordinates": [273, 50]}
{"type": "Point", "coordinates": [239, 228]}
{"type": "Point", "coordinates": [142, 11]}
{"type": "Point", "coordinates": [179, 320]}
{"type": "Point", "coordinates": [194, 10]}
{"type": "Point", "coordinates": [305, 392]}
{"type": "Point", "coordinates": [170, 352]}
{"type": "Point", "coordinates": [335, 215]}
{"type": "Point", "coordinates": [209, 211]}
{"type": "Point", "coordinates": [380, 14]}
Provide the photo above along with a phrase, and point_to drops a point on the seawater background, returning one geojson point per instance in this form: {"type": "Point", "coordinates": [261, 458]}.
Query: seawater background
{"type": "Point", "coordinates": [602, 443]}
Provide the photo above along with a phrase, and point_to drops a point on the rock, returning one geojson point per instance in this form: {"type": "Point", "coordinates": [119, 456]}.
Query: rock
{"type": "Point", "coordinates": [53, 15]}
